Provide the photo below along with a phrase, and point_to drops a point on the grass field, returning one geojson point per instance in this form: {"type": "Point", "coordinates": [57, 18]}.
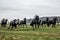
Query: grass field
{"type": "Point", "coordinates": [43, 33]}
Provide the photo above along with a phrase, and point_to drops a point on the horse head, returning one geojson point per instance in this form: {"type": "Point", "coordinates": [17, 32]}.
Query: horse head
{"type": "Point", "coordinates": [47, 19]}
{"type": "Point", "coordinates": [55, 19]}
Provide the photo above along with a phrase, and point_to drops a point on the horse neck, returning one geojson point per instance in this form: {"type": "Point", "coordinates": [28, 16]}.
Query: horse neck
{"type": "Point", "coordinates": [47, 20]}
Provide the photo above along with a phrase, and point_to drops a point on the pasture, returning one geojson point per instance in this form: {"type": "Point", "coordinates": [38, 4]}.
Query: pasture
{"type": "Point", "coordinates": [20, 33]}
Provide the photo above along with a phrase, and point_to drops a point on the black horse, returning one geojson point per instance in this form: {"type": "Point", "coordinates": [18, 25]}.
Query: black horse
{"type": "Point", "coordinates": [4, 22]}
{"type": "Point", "coordinates": [36, 22]}
{"type": "Point", "coordinates": [13, 24]}
{"type": "Point", "coordinates": [32, 24]}
{"type": "Point", "coordinates": [53, 22]}
{"type": "Point", "coordinates": [23, 22]}
{"type": "Point", "coordinates": [44, 22]}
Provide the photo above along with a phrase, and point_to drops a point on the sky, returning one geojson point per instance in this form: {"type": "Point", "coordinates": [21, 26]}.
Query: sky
{"type": "Point", "coordinates": [12, 9]}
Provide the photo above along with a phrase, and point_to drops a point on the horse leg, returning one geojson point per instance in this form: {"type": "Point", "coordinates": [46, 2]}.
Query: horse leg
{"type": "Point", "coordinates": [38, 25]}
{"type": "Point", "coordinates": [1, 24]}
{"type": "Point", "coordinates": [45, 25]}
{"type": "Point", "coordinates": [48, 25]}
{"type": "Point", "coordinates": [42, 25]}
{"type": "Point", "coordinates": [15, 27]}
{"type": "Point", "coordinates": [4, 25]}
{"type": "Point", "coordinates": [20, 25]}
{"type": "Point", "coordinates": [54, 25]}
{"type": "Point", "coordinates": [9, 27]}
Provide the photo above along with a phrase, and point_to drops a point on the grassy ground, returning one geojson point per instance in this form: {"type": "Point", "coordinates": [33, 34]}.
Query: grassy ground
{"type": "Point", "coordinates": [43, 33]}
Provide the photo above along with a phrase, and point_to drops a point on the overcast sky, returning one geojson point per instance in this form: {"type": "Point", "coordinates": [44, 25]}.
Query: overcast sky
{"type": "Point", "coordinates": [12, 9]}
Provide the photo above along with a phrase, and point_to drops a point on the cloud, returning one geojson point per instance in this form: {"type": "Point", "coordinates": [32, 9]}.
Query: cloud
{"type": "Point", "coordinates": [28, 8]}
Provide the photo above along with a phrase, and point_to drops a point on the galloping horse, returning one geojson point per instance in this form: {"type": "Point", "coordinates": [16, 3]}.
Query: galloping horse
{"type": "Point", "coordinates": [4, 22]}
{"type": "Point", "coordinates": [13, 24]}
{"type": "Point", "coordinates": [44, 22]}
{"type": "Point", "coordinates": [36, 22]}
{"type": "Point", "coordinates": [23, 22]}
{"type": "Point", "coordinates": [53, 22]}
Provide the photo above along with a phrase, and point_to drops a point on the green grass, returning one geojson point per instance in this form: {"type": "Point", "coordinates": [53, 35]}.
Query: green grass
{"type": "Point", "coordinates": [43, 33]}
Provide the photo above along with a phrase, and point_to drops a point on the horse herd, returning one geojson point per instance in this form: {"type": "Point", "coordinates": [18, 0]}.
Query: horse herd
{"type": "Point", "coordinates": [36, 22]}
